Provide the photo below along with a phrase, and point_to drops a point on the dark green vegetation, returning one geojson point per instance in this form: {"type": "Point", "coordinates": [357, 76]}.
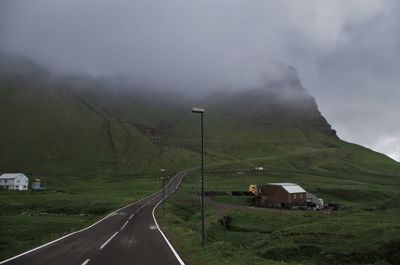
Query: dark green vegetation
{"type": "Point", "coordinates": [365, 231]}
{"type": "Point", "coordinates": [100, 144]}
{"type": "Point", "coordinates": [71, 202]}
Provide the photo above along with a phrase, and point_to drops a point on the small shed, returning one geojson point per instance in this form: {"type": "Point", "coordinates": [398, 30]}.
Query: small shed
{"type": "Point", "coordinates": [14, 181]}
{"type": "Point", "coordinates": [36, 184]}
{"type": "Point", "coordinates": [282, 195]}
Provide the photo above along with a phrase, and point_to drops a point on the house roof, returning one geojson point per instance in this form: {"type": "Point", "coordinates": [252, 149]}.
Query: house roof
{"type": "Point", "coordinates": [11, 175]}
{"type": "Point", "coordinates": [289, 187]}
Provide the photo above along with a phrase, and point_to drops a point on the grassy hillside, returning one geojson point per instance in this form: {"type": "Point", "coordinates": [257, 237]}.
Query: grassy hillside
{"type": "Point", "coordinates": [365, 231]}
{"type": "Point", "coordinates": [67, 124]}
{"type": "Point", "coordinates": [99, 143]}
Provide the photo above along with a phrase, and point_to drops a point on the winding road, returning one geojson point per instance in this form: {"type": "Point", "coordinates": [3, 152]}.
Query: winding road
{"type": "Point", "coordinates": [129, 235]}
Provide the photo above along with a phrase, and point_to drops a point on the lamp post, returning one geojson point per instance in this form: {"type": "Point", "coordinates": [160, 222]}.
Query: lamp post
{"type": "Point", "coordinates": [201, 111]}
{"type": "Point", "coordinates": [162, 184]}
{"type": "Point", "coordinates": [162, 181]}
{"type": "Point", "coordinates": [162, 187]}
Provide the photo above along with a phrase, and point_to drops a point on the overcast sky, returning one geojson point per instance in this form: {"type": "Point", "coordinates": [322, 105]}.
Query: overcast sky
{"type": "Point", "coordinates": [347, 52]}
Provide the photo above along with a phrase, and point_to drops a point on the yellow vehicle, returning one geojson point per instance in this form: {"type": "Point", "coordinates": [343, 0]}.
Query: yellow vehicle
{"type": "Point", "coordinates": [253, 189]}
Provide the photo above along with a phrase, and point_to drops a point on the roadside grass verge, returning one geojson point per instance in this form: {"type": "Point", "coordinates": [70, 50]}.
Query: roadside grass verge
{"type": "Point", "coordinates": [281, 236]}
{"type": "Point", "coordinates": [366, 231]}
{"type": "Point", "coordinates": [28, 219]}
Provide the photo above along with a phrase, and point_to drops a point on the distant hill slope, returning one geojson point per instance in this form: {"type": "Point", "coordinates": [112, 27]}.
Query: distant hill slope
{"type": "Point", "coordinates": [64, 125]}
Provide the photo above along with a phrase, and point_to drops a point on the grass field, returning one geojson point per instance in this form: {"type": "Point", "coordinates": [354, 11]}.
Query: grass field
{"type": "Point", "coordinates": [334, 170]}
{"type": "Point", "coordinates": [31, 218]}
{"type": "Point", "coordinates": [366, 231]}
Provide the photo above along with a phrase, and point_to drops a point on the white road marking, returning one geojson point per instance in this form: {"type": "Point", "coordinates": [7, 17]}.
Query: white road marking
{"type": "Point", "coordinates": [152, 227]}
{"type": "Point", "coordinates": [108, 240]}
{"type": "Point", "coordinates": [159, 229]}
{"type": "Point", "coordinates": [90, 226]}
{"type": "Point", "coordinates": [79, 231]}
{"type": "Point", "coordinates": [130, 217]}
{"type": "Point", "coordinates": [124, 225]}
{"type": "Point", "coordinates": [119, 213]}
{"type": "Point", "coordinates": [85, 262]}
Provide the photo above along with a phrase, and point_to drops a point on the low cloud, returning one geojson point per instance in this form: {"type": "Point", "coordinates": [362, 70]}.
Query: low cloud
{"type": "Point", "coordinates": [346, 52]}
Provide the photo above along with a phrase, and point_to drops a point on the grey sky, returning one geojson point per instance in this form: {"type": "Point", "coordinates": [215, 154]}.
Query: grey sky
{"type": "Point", "coordinates": [346, 51]}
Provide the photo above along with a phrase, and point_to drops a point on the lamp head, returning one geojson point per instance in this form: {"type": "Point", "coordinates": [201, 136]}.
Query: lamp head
{"type": "Point", "coordinates": [197, 110]}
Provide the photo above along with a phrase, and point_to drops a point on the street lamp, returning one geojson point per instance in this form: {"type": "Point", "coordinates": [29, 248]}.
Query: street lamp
{"type": "Point", "coordinates": [162, 182]}
{"type": "Point", "coordinates": [201, 111]}
{"type": "Point", "coordinates": [162, 186]}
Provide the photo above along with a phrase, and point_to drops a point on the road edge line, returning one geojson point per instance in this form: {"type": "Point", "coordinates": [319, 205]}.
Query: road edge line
{"type": "Point", "coordinates": [158, 227]}
{"type": "Point", "coordinates": [84, 229]}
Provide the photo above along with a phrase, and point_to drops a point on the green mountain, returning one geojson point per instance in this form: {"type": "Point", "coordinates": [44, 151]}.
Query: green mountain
{"type": "Point", "coordinates": [59, 124]}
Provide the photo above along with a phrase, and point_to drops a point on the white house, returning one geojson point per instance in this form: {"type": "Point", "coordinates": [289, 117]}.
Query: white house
{"type": "Point", "coordinates": [14, 181]}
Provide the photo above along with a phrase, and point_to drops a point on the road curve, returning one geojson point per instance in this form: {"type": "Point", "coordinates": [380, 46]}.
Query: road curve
{"type": "Point", "coordinates": [129, 235]}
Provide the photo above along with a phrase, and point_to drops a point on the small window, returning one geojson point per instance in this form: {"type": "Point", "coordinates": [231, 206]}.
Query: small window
{"type": "Point", "coordinates": [294, 196]}
{"type": "Point", "coordinates": [18, 181]}
{"type": "Point", "coordinates": [5, 181]}
{"type": "Point", "coordinates": [24, 187]}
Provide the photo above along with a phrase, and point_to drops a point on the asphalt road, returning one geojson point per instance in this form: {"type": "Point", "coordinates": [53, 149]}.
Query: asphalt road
{"type": "Point", "coordinates": [128, 236]}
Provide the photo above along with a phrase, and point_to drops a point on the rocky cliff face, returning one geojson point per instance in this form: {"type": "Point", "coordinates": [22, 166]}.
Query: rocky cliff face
{"type": "Point", "coordinates": [277, 103]}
